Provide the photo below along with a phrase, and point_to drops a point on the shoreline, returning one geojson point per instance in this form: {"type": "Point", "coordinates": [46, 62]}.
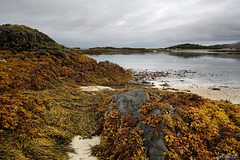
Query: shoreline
{"type": "Point", "coordinates": [82, 147]}
{"type": "Point", "coordinates": [189, 81]}
{"type": "Point", "coordinates": [218, 93]}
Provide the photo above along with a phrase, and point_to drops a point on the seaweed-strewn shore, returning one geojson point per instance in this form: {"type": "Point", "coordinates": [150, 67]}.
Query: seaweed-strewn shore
{"type": "Point", "coordinates": [216, 92]}
{"type": "Point", "coordinates": [42, 107]}
{"type": "Point", "coordinates": [44, 104]}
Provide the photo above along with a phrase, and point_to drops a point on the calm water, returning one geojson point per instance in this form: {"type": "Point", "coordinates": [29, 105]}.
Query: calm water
{"type": "Point", "coordinates": [211, 68]}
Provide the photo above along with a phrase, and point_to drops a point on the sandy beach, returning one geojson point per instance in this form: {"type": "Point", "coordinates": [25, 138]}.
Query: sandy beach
{"type": "Point", "coordinates": [218, 93]}
{"type": "Point", "coordinates": [95, 88]}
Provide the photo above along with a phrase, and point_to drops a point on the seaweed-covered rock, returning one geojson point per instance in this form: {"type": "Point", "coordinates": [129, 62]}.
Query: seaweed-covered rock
{"type": "Point", "coordinates": [132, 102]}
{"type": "Point", "coordinates": [20, 37]}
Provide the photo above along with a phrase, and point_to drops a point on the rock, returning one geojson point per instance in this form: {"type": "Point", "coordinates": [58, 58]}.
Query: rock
{"type": "Point", "coordinates": [165, 85]}
{"type": "Point", "coordinates": [131, 102]}
{"type": "Point", "coordinates": [77, 68]}
{"type": "Point", "coordinates": [20, 37]}
{"type": "Point", "coordinates": [107, 63]}
{"type": "Point", "coordinates": [25, 93]}
{"type": "Point", "coordinates": [60, 54]}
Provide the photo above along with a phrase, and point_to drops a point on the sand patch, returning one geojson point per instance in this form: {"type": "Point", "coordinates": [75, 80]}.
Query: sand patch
{"type": "Point", "coordinates": [95, 88]}
{"type": "Point", "coordinates": [82, 148]}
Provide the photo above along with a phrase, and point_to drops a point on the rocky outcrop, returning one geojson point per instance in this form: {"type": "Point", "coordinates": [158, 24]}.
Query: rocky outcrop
{"type": "Point", "coordinates": [131, 102]}
{"type": "Point", "coordinates": [20, 37]}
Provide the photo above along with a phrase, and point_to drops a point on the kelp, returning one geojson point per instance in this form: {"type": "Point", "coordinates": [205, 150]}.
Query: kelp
{"type": "Point", "coordinates": [38, 70]}
{"type": "Point", "coordinates": [41, 124]}
{"type": "Point", "coordinates": [121, 138]}
{"type": "Point", "coordinates": [197, 128]}
{"type": "Point", "coordinates": [42, 107]}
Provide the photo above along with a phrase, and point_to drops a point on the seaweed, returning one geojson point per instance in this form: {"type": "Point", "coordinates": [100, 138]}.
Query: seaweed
{"type": "Point", "coordinates": [193, 127]}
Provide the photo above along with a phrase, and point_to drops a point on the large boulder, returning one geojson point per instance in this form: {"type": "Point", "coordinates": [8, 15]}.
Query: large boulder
{"type": "Point", "coordinates": [131, 102]}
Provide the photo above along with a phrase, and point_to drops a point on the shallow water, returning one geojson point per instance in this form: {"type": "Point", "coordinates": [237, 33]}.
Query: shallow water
{"type": "Point", "coordinates": [212, 69]}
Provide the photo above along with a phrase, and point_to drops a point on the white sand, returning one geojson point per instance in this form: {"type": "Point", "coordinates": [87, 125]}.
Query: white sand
{"type": "Point", "coordinates": [94, 88]}
{"type": "Point", "coordinates": [225, 93]}
{"type": "Point", "coordinates": [82, 148]}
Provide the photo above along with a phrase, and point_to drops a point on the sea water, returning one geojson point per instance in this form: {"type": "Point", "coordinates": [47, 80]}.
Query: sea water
{"type": "Point", "coordinates": [210, 69]}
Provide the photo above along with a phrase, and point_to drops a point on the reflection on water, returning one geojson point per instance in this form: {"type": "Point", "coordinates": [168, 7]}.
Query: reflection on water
{"type": "Point", "coordinates": [211, 68]}
{"type": "Point", "coordinates": [202, 54]}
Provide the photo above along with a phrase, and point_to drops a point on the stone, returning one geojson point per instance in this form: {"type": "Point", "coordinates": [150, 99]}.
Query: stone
{"type": "Point", "coordinates": [61, 54]}
{"type": "Point", "coordinates": [131, 102]}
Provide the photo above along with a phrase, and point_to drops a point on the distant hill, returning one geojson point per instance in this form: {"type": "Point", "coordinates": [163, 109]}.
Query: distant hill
{"type": "Point", "coordinates": [193, 46]}
{"type": "Point", "coordinates": [20, 37]}
{"type": "Point", "coordinates": [111, 50]}
{"type": "Point", "coordinates": [237, 43]}
{"type": "Point", "coordinates": [233, 45]}
{"type": "Point", "coordinates": [197, 46]}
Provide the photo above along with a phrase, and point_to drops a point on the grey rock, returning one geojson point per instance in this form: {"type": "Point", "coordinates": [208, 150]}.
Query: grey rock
{"type": "Point", "coordinates": [77, 68]}
{"type": "Point", "coordinates": [216, 89]}
{"type": "Point", "coordinates": [60, 54]}
{"type": "Point", "coordinates": [63, 55]}
{"type": "Point", "coordinates": [131, 102]}
{"type": "Point", "coordinates": [25, 93]}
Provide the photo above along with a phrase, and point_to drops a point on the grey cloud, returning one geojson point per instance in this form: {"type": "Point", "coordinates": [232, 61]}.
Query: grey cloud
{"type": "Point", "coordinates": [135, 23]}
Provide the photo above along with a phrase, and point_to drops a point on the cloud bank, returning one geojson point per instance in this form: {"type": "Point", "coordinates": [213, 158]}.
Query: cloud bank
{"type": "Point", "coordinates": [135, 23]}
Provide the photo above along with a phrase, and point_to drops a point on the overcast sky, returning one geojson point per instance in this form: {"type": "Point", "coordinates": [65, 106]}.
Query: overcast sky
{"type": "Point", "coordinates": [128, 23]}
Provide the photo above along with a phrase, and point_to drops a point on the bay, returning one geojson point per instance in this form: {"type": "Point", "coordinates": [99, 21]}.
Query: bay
{"type": "Point", "coordinates": [209, 69]}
